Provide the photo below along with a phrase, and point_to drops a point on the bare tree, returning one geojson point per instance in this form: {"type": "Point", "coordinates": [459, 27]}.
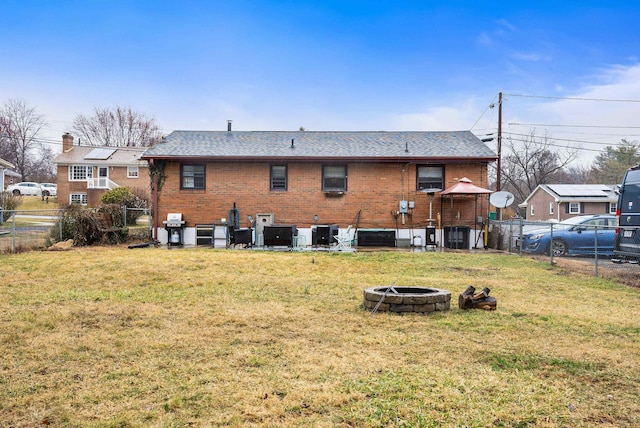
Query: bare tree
{"type": "Point", "coordinates": [43, 168]}
{"type": "Point", "coordinates": [576, 174]}
{"type": "Point", "coordinates": [530, 162]}
{"type": "Point", "coordinates": [120, 127]}
{"type": "Point", "coordinates": [20, 126]}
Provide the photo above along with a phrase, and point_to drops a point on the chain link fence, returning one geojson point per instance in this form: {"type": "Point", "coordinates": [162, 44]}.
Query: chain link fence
{"type": "Point", "coordinates": [587, 248]}
{"type": "Point", "coordinates": [23, 230]}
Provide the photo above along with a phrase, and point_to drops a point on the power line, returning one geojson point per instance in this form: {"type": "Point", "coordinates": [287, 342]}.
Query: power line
{"type": "Point", "coordinates": [523, 139]}
{"type": "Point", "coordinates": [564, 139]}
{"type": "Point", "coordinates": [489, 106]}
{"type": "Point", "coordinates": [574, 126]}
{"type": "Point", "coordinates": [575, 98]}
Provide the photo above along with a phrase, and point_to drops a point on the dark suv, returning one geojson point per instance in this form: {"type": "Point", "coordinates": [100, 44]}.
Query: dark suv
{"type": "Point", "coordinates": [627, 238]}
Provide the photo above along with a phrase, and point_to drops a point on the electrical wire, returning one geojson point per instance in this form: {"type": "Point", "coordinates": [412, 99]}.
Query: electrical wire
{"type": "Point", "coordinates": [575, 126]}
{"type": "Point", "coordinates": [611, 100]}
{"type": "Point", "coordinates": [489, 106]}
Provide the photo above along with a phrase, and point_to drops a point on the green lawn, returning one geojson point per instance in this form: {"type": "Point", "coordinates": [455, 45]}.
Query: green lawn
{"type": "Point", "coordinates": [112, 337]}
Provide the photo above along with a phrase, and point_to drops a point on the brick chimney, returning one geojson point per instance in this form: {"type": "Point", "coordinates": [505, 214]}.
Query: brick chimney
{"type": "Point", "coordinates": [67, 142]}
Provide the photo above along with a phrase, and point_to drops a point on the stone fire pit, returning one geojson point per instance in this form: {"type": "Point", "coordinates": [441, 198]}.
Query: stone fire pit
{"type": "Point", "coordinates": [406, 299]}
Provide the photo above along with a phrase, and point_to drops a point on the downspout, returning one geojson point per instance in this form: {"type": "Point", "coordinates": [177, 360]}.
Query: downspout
{"type": "Point", "coordinates": [155, 204]}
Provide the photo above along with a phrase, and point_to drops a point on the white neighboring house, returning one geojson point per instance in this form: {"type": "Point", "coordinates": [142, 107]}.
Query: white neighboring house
{"type": "Point", "coordinates": [4, 167]}
{"type": "Point", "coordinates": [558, 202]}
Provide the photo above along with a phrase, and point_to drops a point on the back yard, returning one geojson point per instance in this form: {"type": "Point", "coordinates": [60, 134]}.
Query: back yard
{"type": "Point", "coordinates": [112, 337]}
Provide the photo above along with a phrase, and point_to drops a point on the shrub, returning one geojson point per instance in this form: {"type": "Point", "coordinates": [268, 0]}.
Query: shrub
{"type": "Point", "coordinates": [87, 226]}
{"type": "Point", "coordinates": [67, 224]}
{"type": "Point", "coordinates": [8, 202]}
{"type": "Point", "coordinates": [130, 198]}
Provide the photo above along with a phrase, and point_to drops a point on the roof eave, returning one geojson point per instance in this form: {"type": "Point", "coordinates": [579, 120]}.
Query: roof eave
{"type": "Point", "coordinates": [362, 159]}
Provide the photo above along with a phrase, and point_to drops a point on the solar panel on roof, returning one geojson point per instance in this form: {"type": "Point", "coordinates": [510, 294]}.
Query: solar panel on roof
{"type": "Point", "coordinates": [580, 189]}
{"type": "Point", "coordinates": [100, 153]}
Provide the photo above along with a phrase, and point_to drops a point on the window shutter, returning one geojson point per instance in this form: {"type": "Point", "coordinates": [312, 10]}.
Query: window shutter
{"type": "Point", "coordinates": [567, 207]}
{"type": "Point", "coordinates": [581, 207]}
{"type": "Point", "coordinates": [607, 208]}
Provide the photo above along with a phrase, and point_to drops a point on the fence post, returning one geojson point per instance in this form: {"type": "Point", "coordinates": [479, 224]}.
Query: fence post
{"type": "Point", "coordinates": [551, 245]}
{"type": "Point", "coordinates": [60, 223]}
{"type": "Point", "coordinates": [13, 231]}
{"type": "Point", "coordinates": [595, 241]}
{"type": "Point", "coordinates": [124, 214]}
{"type": "Point", "coordinates": [520, 235]}
{"type": "Point", "coordinates": [149, 214]}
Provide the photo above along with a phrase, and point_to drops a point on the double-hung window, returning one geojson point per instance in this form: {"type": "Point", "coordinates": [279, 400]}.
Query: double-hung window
{"type": "Point", "coordinates": [430, 177]}
{"type": "Point", "coordinates": [192, 177]}
{"type": "Point", "coordinates": [278, 177]}
{"type": "Point", "coordinates": [334, 178]}
{"type": "Point", "coordinates": [132, 172]}
{"type": "Point", "coordinates": [574, 208]}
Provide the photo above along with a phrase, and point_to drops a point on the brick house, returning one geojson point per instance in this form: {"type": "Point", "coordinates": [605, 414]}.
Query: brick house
{"type": "Point", "coordinates": [374, 181]}
{"type": "Point", "coordinates": [4, 168]}
{"type": "Point", "coordinates": [85, 173]}
{"type": "Point", "coordinates": [557, 202]}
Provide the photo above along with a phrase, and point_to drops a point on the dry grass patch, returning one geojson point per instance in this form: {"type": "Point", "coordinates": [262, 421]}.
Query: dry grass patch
{"type": "Point", "coordinates": [110, 337]}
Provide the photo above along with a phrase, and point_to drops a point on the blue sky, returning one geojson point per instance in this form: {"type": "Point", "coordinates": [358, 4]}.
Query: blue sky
{"type": "Point", "coordinates": [332, 65]}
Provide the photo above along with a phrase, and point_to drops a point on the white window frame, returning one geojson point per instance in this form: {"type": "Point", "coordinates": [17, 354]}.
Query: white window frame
{"type": "Point", "coordinates": [613, 207]}
{"type": "Point", "coordinates": [574, 207]}
{"type": "Point", "coordinates": [78, 198]}
{"type": "Point", "coordinates": [133, 172]}
{"type": "Point", "coordinates": [532, 210]}
{"type": "Point", "coordinates": [551, 207]}
{"type": "Point", "coordinates": [80, 172]}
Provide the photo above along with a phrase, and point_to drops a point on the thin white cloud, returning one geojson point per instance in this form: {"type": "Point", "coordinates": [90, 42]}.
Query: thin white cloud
{"type": "Point", "coordinates": [600, 113]}
{"type": "Point", "coordinates": [484, 39]}
{"type": "Point", "coordinates": [531, 57]}
{"type": "Point", "coordinates": [444, 118]}
{"type": "Point", "coordinates": [503, 23]}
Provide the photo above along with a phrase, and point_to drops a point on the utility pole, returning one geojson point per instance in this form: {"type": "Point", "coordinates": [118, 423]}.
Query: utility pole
{"type": "Point", "coordinates": [498, 177]}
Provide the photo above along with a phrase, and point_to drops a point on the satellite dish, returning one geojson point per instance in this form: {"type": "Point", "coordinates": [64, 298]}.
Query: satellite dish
{"type": "Point", "coordinates": [501, 199]}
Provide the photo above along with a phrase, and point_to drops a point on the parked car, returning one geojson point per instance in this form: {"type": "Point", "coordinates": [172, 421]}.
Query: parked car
{"type": "Point", "coordinates": [576, 235]}
{"type": "Point", "coordinates": [25, 188]}
{"type": "Point", "coordinates": [49, 189]}
{"type": "Point", "coordinates": [627, 240]}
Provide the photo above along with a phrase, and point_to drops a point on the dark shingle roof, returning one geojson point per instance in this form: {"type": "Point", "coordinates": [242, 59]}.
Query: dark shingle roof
{"type": "Point", "coordinates": [321, 145]}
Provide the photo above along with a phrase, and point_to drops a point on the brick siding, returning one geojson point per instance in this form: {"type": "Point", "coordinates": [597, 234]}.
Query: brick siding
{"type": "Point", "coordinates": [374, 189]}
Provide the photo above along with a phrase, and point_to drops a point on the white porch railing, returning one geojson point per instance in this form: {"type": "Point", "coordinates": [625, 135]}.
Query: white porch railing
{"type": "Point", "coordinates": [101, 183]}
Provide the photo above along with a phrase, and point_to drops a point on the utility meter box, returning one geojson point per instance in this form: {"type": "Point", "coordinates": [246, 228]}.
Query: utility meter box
{"type": "Point", "coordinates": [403, 207]}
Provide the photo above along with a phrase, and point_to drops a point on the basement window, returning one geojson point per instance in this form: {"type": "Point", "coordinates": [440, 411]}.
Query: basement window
{"type": "Point", "coordinates": [78, 198]}
{"type": "Point", "coordinates": [334, 178]}
{"type": "Point", "coordinates": [192, 177]}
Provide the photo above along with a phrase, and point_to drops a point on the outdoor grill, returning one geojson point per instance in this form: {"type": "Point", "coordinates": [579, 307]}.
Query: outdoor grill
{"type": "Point", "coordinates": [174, 225]}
